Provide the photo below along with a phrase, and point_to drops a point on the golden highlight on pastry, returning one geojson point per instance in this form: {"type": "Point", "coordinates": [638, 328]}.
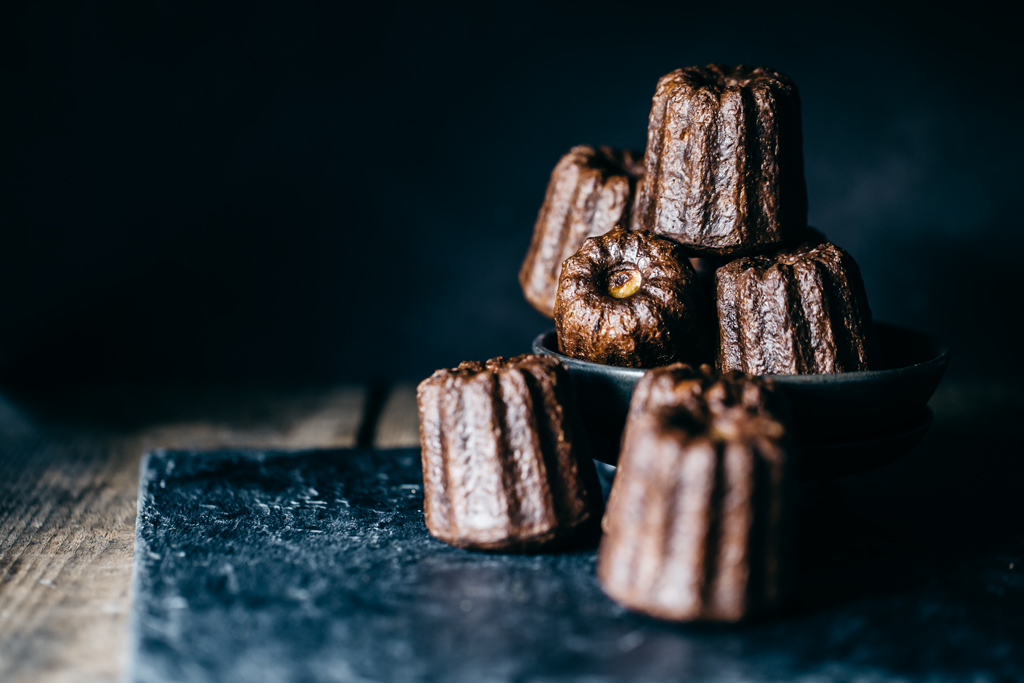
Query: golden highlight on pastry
{"type": "Point", "coordinates": [629, 298]}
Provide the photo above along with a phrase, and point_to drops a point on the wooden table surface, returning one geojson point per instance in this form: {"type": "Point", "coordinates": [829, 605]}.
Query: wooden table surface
{"type": "Point", "coordinates": [68, 487]}
{"type": "Point", "coordinates": [68, 479]}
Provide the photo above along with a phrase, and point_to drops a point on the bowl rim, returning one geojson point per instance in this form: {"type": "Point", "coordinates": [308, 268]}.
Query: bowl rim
{"type": "Point", "coordinates": [939, 360]}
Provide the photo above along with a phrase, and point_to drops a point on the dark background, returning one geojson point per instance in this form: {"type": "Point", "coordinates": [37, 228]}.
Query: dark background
{"type": "Point", "coordinates": [279, 192]}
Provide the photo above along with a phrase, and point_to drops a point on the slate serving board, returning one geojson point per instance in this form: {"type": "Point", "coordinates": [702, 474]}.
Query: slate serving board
{"type": "Point", "coordinates": [317, 566]}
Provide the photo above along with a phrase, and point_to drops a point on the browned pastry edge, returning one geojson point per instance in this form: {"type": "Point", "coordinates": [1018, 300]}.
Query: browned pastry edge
{"type": "Point", "coordinates": [724, 167]}
{"type": "Point", "coordinates": [800, 310]}
{"type": "Point", "coordinates": [505, 465]}
{"type": "Point", "coordinates": [663, 321]}
{"type": "Point", "coordinates": [696, 527]}
{"type": "Point", "coordinates": [590, 191]}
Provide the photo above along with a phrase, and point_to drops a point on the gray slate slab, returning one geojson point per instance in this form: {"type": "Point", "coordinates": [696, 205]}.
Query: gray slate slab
{"type": "Point", "coordinates": [317, 567]}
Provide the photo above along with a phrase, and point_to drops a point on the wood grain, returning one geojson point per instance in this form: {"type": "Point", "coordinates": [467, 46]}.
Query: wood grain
{"type": "Point", "coordinates": [330, 419]}
{"type": "Point", "coordinates": [398, 425]}
{"type": "Point", "coordinates": [67, 516]}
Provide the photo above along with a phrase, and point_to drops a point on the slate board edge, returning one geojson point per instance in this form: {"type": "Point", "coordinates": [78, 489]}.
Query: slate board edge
{"type": "Point", "coordinates": [147, 474]}
{"type": "Point", "coordinates": [128, 658]}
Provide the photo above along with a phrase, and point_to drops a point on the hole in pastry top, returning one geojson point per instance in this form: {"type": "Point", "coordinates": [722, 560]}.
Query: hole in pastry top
{"type": "Point", "coordinates": [625, 281]}
{"type": "Point", "coordinates": [725, 76]}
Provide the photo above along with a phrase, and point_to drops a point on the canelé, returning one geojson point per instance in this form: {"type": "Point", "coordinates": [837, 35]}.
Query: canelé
{"type": "Point", "coordinates": [724, 170]}
{"type": "Point", "coordinates": [590, 191]}
{"type": "Point", "coordinates": [505, 467]}
{"type": "Point", "coordinates": [794, 311]}
{"type": "Point", "coordinates": [632, 299]}
{"type": "Point", "coordinates": [697, 525]}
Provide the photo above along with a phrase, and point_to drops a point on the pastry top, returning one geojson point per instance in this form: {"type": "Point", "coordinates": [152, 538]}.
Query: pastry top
{"type": "Point", "coordinates": [591, 189]}
{"type": "Point", "coordinates": [607, 160]}
{"type": "Point", "coordinates": [700, 401]}
{"type": "Point", "coordinates": [469, 368]}
{"type": "Point", "coordinates": [721, 77]}
{"type": "Point", "coordinates": [724, 161]}
{"type": "Point", "coordinates": [543, 367]}
{"type": "Point", "coordinates": [629, 298]}
{"type": "Point", "coordinates": [796, 310]}
{"type": "Point", "coordinates": [816, 248]}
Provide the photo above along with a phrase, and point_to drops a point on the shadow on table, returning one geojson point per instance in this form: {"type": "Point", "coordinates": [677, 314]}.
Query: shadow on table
{"type": "Point", "coordinates": [949, 517]}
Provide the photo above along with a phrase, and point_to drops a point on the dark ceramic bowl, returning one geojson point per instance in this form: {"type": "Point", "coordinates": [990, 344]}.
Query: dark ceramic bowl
{"type": "Point", "coordinates": [845, 422]}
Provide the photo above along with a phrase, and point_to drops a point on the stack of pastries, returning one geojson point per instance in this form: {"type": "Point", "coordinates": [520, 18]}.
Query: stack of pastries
{"type": "Point", "coordinates": [723, 179]}
{"type": "Point", "coordinates": [694, 261]}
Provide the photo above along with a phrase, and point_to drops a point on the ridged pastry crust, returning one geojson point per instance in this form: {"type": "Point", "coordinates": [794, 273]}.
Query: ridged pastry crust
{"type": "Point", "coordinates": [794, 311]}
{"type": "Point", "coordinates": [504, 468]}
{"type": "Point", "coordinates": [697, 525]}
{"type": "Point", "coordinates": [662, 321]}
{"type": "Point", "coordinates": [590, 191]}
{"type": "Point", "coordinates": [724, 171]}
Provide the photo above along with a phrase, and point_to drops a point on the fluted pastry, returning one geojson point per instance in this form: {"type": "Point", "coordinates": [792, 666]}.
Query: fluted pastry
{"type": "Point", "coordinates": [504, 466]}
{"type": "Point", "coordinates": [724, 171]}
{"type": "Point", "coordinates": [632, 299]}
{"type": "Point", "coordinates": [590, 191]}
{"type": "Point", "coordinates": [697, 525]}
{"type": "Point", "coordinates": [794, 311]}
